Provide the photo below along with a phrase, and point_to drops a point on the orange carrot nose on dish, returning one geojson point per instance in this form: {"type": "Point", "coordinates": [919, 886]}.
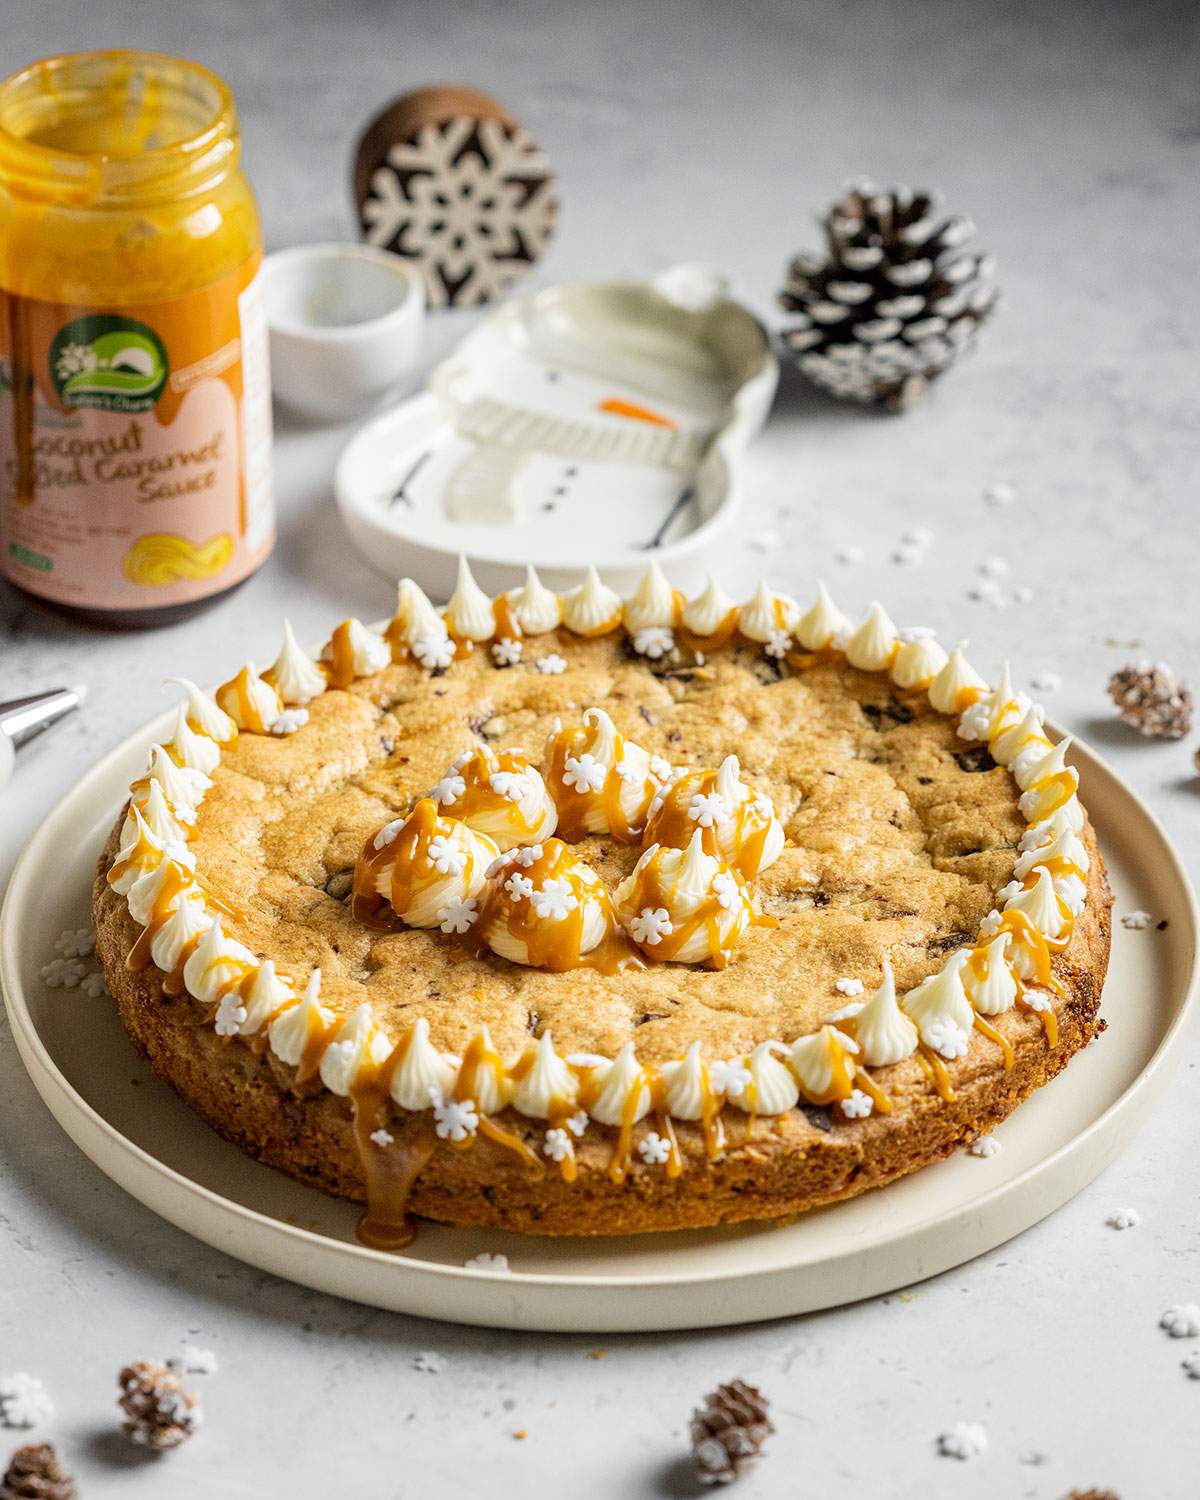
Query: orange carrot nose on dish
{"type": "Point", "coordinates": [618, 408]}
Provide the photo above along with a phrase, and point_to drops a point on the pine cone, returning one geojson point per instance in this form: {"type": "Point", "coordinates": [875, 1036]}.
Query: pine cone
{"type": "Point", "coordinates": [1152, 699]}
{"type": "Point", "coordinates": [728, 1432]}
{"type": "Point", "coordinates": [159, 1413]}
{"type": "Point", "coordinates": [894, 302]}
{"type": "Point", "coordinates": [34, 1473]}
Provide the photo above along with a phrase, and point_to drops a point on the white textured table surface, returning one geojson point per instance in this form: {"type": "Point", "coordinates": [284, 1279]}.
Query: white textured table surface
{"type": "Point", "coordinates": [710, 132]}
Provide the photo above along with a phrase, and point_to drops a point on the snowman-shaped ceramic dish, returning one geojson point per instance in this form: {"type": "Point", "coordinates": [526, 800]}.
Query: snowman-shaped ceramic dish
{"type": "Point", "coordinates": [598, 422]}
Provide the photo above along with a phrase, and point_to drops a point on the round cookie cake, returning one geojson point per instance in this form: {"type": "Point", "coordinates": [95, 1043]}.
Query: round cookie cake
{"type": "Point", "coordinates": [576, 915]}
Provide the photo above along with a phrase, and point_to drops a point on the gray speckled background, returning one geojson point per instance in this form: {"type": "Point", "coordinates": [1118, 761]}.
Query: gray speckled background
{"type": "Point", "coordinates": [1071, 133]}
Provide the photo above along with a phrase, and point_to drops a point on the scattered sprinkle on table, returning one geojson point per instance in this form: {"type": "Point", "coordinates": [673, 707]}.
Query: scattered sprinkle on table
{"type": "Point", "coordinates": [1182, 1321]}
{"type": "Point", "coordinates": [497, 1264]}
{"type": "Point", "coordinates": [766, 540]}
{"type": "Point", "coordinates": [194, 1361]}
{"type": "Point", "coordinates": [1023, 595]}
{"type": "Point", "coordinates": [999, 494]}
{"type": "Point", "coordinates": [964, 1440]}
{"type": "Point", "coordinates": [851, 553]}
{"type": "Point", "coordinates": [24, 1401]}
{"type": "Point", "coordinates": [985, 1146]}
{"type": "Point", "coordinates": [1191, 1363]}
{"type": "Point", "coordinates": [1124, 1218]}
{"type": "Point", "coordinates": [428, 1363]}
{"type": "Point", "coordinates": [1136, 920]}
{"type": "Point", "coordinates": [993, 567]}
{"type": "Point", "coordinates": [1046, 682]}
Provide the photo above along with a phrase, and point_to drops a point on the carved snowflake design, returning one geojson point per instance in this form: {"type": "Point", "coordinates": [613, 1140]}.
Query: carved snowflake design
{"type": "Point", "coordinates": [471, 201]}
{"type": "Point", "coordinates": [434, 652]}
{"type": "Point", "coordinates": [231, 1013]}
{"type": "Point", "coordinates": [583, 773]}
{"type": "Point", "coordinates": [448, 790]}
{"type": "Point", "coordinates": [554, 900]}
{"type": "Point", "coordinates": [458, 916]}
{"type": "Point", "coordinates": [651, 925]}
{"type": "Point", "coordinates": [455, 1119]}
{"type": "Point", "coordinates": [444, 857]}
{"type": "Point", "coordinates": [654, 1149]}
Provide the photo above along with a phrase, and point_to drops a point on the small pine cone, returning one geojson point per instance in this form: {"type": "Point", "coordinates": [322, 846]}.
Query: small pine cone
{"type": "Point", "coordinates": [159, 1413]}
{"type": "Point", "coordinates": [34, 1473]}
{"type": "Point", "coordinates": [891, 303]}
{"type": "Point", "coordinates": [1151, 698]}
{"type": "Point", "coordinates": [728, 1432]}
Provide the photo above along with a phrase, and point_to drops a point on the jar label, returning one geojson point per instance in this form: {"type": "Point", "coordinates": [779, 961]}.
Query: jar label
{"type": "Point", "coordinates": [135, 446]}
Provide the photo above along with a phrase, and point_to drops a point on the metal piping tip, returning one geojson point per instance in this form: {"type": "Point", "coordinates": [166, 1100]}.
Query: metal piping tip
{"type": "Point", "coordinates": [21, 719]}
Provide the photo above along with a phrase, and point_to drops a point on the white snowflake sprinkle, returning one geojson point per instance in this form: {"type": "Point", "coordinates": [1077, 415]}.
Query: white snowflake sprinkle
{"type": "Point", "coordinates": [192, 1360]}
{"type": "Point", "coordinates": [729, 1078]}
{"type": "Point", "coordinates": [554, 900]}
{"type": "Point", "coordinates": [766, 540]}
{"type": "Point", "coordinates": [908, 556]}
{"type": "Point", "coordinates": [458, 916]}
{"type": "Point", "coordinates": [984, 1146]}
{"type": "Point", "coordinates": [578, 1123]}
{"type": "Point", "coordinates": [1124, 1218]}
{"type": "Point", "coordinates": [445, 858]}
{"type": "Point", "coordinates": [527, 856]}
{"type": "Point", "coordinates": [1023, 595]}
{"type": "Point", "coordinates": [990, 925]}
{"type": "Point", "coordinates": [999, 494]}
{"type": "Point", "coordinates": [455, 1119]}
{"type": "Point", "coordinates": [506, 652]}
{"type": "Point", "coordinates": [434, 652]}
{"type": "Point", "coordinates": [289, 721]}
{"type": "Point", "coordinates": [709, 809]}
{"type": "Point", "coordinates": [1136, 921]}
{"type": "Point", "coordinates": [778, 644]}
{"type": "Point", "coordinates": [428, 1363]}
{"type": "Point", "coordinates": [583, 773]}
{"type": "Point", "coordinates": [518, 886]}
{"type": "Point", "coordinates": [1181, 1321]}
{"type": "Point", "coordinates": [846, 1011]}
{"type": "Point", "coordinates": [846, 986]}
{"type": "Point", "coordinates": [387, 833]}
{"type": "Point", "coordinates": [507, 784]}
{"type": "Point", "coordinates": [994, 567]}
{"type": "Point", "coordinates": [1046, 682]}
{"type": "Point", "coordinates": [725, 888]}
{"type": "Point", "coordinates": [946, 1038]}
{"type": "Point", "coordinates": [94, 985]}
{"type": "Point", "coordinates": [557, 1145]}
{"type": "Point", "coordinates": [63, 973]}
{"type": "Point", "coordinates": [850, 554]}
{"type": "Point", "coordinates": [662, 770]}
{"type": "Point", "coordinates": [496, 1265]}
{"type": "Point", "coordinates": [987, 592]}
{"type": "Point", "coordinates": [964, 1440]}
{"type": "Point", "coordinates": [1191, 1364]}
{"type": "Point", "coordinates": [654, 1149]}
{"type": "Point", "coordinates": [858, 1106]}
{"type": "Point", "coordinates": [448, 790]}
{"type": "Point", "coordinates": [918, 536]}
{"type": "Point", "coordinates": [1038, 1000]}
{"type": "Point", "coordinates": [551, 665]}
{"type": "Point", "coordinates": [231, 1013]}
{"type": "Point", "coordinates": [383, 1138]}
{"type": "Point", "coordinates": [24, 1401]}
{"type": "Point", "coordinates": [651, 925]}
{"type": "Point", "coordinates": [75, 942]}
{"type": "Point", "coordinates": [654, 642]}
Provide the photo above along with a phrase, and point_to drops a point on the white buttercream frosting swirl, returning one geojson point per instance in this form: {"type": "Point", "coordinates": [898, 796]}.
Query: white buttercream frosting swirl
{"type": "Point", "coordinates": [1025, 735]}
{"type": "Point", "coordinates": [918, 661]}
{"type": "Point", "coordinates": [709, 611]}
{"type": "Point", "coordinates": [195, 751]}
{"type": "Point", "coordinates": [369, 652]}
{"type": "Point", "coordinates": [688, 1091]}
{"type": "Point", "coordinates": [182, 787]}
{"type": "Point", "coordinates": [995, 712]}
{"type": "Point", "coordinates": [293, 674]}
{"type": "Point", "coordinates": [434, 867]}
{"type": "Point", "coordinates": [1039, 902]}
{"type": "Point", "coordinates": [823, 624]}
{"type": "Point", "coordinates": [545, 907]}
{"type": "Point", "coordinates": [1064, 844]}
{"type": "Point", "coordinates": [824, 1065]}
{"type": "Point", "coordinates": [737, 823]}
{"type": "Point", "coordinates": [655, 604]}
{"type": "Point", "coordinates": [957, 685]}
{"type": "Point", "coordinates": [174, 938]}
{"type": "Point", "coordinates": [870, 648]}
{"type": "Point", "coordinates": [534, 607]}
{"type": "Point", "coordinates": [592, 608]}
{"type": "Point", "coordinates": [683, 905]}
{"type": "Point", "coordinates": [415, 618]}
{"type": "Point", "coordinates": [470, 614]}
{"type": "Point", "coordinates": [501, 795]}
{"type": "Point", "coordinates": [598, 778]}
{"type": "Point", "coordinates": [250, 702]}
{"type": "Point", "coordinates": [995, 990]}
{"type": "Point", "coordinates": [941, 1001]}
{"type": "Point", "coordinates": [423, 1073]}
{"type": "Point", "coordinates": [216, 963]}
{"type": "Point", "coordinates": [617, 1083]}
{"type": "Point", "coordinates": [358, 1043]}
{"type": "Point", "coordinates": [545, 1083]}
{"type": "Point", "coordinates": [204, 715]}
{"type": "Point", "coordinates": [291, 1031]}
{"type": "Point", "coordinates": [882, 1030]}
{"type": "Point", "coordinates": [767, 614]}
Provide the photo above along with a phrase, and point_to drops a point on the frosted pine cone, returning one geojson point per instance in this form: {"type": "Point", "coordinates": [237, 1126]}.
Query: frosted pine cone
{"type": "Point", "coordinates": [1152, 699]}
{"type": "Point", "coordinates": [34, 1473]}
{"type": "Point", "coordinates": [159, 1413]}
{"type": "Point", "coordinates": [894, 301]}
{"type": "Point", "coordinates": [728, 1432]}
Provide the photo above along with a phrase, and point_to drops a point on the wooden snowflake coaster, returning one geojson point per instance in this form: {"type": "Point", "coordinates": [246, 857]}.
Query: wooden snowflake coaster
{"type": "Point", "coordinates": [447, 178]}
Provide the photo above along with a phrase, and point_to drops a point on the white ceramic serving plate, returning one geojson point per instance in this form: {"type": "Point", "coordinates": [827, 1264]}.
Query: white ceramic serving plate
{"type": "Point", "coordinates": [138, 1133]}
{"type": "Point", "coordinates": [541, 440]}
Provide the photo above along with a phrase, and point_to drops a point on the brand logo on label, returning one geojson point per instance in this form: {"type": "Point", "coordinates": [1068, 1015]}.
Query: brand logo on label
{"type": "Point", "coordinates": [109, 362]}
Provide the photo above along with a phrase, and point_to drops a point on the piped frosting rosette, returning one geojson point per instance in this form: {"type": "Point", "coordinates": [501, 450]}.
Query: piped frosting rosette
{"type": "Point", "coordinates": [684, 905]}
{"type": "Point", "coordinates": [735, 822]}
{"type": "Point", "coordinates": [501, 795]}
{"type": "Point", "coordinates": [546, 908]}
{"type": "Point", "coordinates": [429, 868]}
{"type": "Point", "coordinates": [600, 781]}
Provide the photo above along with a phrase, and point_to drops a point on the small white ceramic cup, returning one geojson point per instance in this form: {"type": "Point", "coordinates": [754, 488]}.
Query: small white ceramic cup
{"type": "Point", "coordinates": [345, 326]}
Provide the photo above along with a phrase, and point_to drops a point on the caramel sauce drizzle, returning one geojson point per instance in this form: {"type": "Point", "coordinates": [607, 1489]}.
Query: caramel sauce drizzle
{"type": "Point", "coordinates": [864, 1081]}
{"type": "Point", "coordinates": [174, 883]}
{"type": "Point", "coordinates": [408, 854]}
{"type": "Point", "coordinates": [653, 890]}
{"type": "Point", "coordinates": [935, 1070]}
{"type": "Point", "coordinates": [507, 623]}
{"type": "Point", "coordinates": [716, 638]}
{"type": "Point", "coordinates": [478, 796]}
{"type": "Point", "coordinates": [673, 828]}
{"type": "Point", "coordinates": [339, 670]}
{"type": "Point", "coordinates": [236, 699]}
{"type": "Point", "coordinates": [139, 852]}
{"type": "Point", "coordinates": [574, 806]}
